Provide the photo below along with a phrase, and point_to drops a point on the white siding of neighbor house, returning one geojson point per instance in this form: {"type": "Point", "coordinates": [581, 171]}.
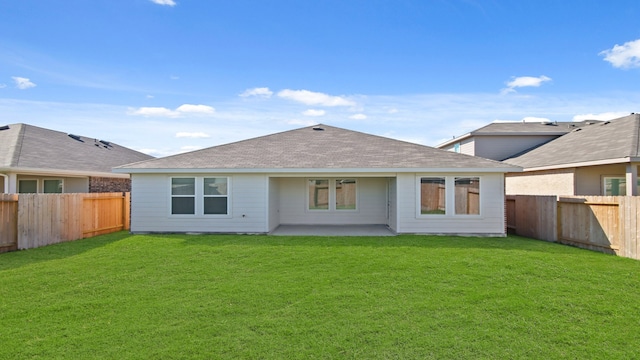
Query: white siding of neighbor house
{"type": "Point", "coordinates": [371, 204]}
{"type": "Point", "coordinates": [150, 206]}
{"type": "Point", "coordinates": [489, 222]}
{"type": "Point", "coordinates": [393, 204]}
{"type": "Point", "coordinates": [468, 146]}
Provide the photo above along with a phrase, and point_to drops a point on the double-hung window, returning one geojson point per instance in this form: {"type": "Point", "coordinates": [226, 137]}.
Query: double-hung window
{"type": "Point", "coordinates": [215, 196]}
{"type": "Point", "coordinates": [199, 196]}
{"type": "Point", "coordinates": [448, 195]}
{"type": "Point", "coordinates": [616, 186]}
{"type": "Point", "coordinates": [331, 194]}
{"type": "Point", "coordinates": [183, 196]}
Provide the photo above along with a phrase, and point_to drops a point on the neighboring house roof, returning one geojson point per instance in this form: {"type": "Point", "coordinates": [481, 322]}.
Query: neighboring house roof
{"type": "Point", "coordinates": [522, 129]}
{"type": "Point", "coordinates": [28, 148]}
{"type": "Point", "coordinates": [317, 148]}
{"type": "Point", "coordinates": [607, 142]}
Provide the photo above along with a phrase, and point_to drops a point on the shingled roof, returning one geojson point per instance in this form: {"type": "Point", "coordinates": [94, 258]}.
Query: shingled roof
{"type": "Point", "coordinates": [27, 147]}
{"type": "Point", "coordinates": [612, 141]}
{"type": "Point", "coordinates": [317, 147]}
{"type": "Point", "coordinates": [512, 128]}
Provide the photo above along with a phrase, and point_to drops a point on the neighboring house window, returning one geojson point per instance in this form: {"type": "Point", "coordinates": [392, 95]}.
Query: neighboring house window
{"type": "Point", "coordinates": [319, 194]}
{"type": "Point", "coordinates": [456, 147]}
{"type": "Point", "coordinates": [27, 186]}
{"type": "Point", "coordinates": [432, 195]}
{"type": "Point", "coordinates": [616, 186]}
{"type": "Point", "coordinates": [215, 196]}
{"type": "Point", "coordinates": [183, 196]}
{"type": "Point", "coordinates": [332, 194]}
{"type": "Point", "coordinates": [345, 194]}
{"type": "Point", "coordinates": [53, 186]}
{"type": "Point", "coordinates": [467, 195]}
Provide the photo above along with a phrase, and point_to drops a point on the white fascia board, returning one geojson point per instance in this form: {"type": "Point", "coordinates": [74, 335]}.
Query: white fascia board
{"type": "Point", "coordinates": [585, 163]}
{"type": "Point", "coordinates": [67, 173]}
{"type": "Point", "coordinates": [374, 172]}
{"type": "Point", "coordinates": [454, 140]}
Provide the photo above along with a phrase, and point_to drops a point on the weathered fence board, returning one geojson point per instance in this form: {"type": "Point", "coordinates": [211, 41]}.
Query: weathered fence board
{"type": "Point", "coordinates": [8, 222]}
{"type": "Point", "coordinates": [33, 220]}
{"type": "Point", "coordinates": [603, 223]}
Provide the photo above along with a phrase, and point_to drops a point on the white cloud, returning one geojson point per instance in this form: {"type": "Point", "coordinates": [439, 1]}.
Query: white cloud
{"type": "Point", "coordinates": [22, 83]}
{"type": "Point", "coordinates": [164, 2]}
{"type": "Point", "coordinates": [358, 116]}
{"type": "Point", "coordinates": [392, 111]}
{"type": "Point", "coordinates": [524, 81]}
{"type": "Point", "coordinates": [188, 148]}
{"type": "Point", "coordinates": [313, 112]}
{"type": "Point", "coordinates": [195, 109]}
{"type": "Point", "coordinates": [174, 77]}
{"type": "Point", "coordinates": [164, 112]}
{"type": "Point", "coordinates": [260, 92]}
{"type": "Point", "coordinates": [192, 135]}
{"type": "Point", "coordinates": [602, 116]}
{"type": "Point", "coordinates": [150, 96]}
{"type": "Point", "coordinates": [314, 98]}
{"type": "Point", "coordinates": [623, 56]}
{"type": "Point", "coordinates": [154, 111]}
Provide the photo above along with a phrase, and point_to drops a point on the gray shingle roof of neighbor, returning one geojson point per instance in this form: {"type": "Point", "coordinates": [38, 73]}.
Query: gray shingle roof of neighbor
{"type": "Point", "coordinates": [24, 146]}
{"type": "Point", "coordinates": [609, 140]}
{"type": "Point", "coordinates": [318, 147]}
{"type": "Point", "coordinates": [532, 128]}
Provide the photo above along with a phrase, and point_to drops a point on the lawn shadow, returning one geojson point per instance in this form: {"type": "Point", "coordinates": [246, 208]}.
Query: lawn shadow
{"type": "Point", "coordinates": [16, 259]}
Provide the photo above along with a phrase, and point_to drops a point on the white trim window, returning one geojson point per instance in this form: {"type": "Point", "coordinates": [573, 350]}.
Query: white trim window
{"type": "Point", "coordinates": [183, 196]}
{"type": "Point", "coordinates": [615, 185]}
{"type": "Point", "coordinates": [52, 186]}
{"type": "Point", "coordinates": [216, 196]}
{"type": "Point", "coordinates": [440, 195]}
{"type": "Point", "coordinates": [332, 194]}
{"type": "Point", "coordinates": [46, 186]}
{"type": "Point", "coordinates": [467, 195]}
{"type": "Point", "coordinates": [197, 195]}
{"type": "Point", "coordinates": [27, 186]}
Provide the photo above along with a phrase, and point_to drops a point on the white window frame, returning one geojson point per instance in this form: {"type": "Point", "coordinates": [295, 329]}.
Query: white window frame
{"type": "Point", "coordinates": [199, 196]}
{"type": "Point", "coordinates": [622, 178]}
{"type": "Point", "coordinates": [331, 206]}
{"type": "Point", "coordinates": [450, 197]}
{"type": "Point", "coordinates": [55, 179]}
{"type": "Point", "coordinates": [29, 179]}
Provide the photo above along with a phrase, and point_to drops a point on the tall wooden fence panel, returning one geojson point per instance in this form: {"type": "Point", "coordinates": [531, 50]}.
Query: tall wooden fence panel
{"type": "Point", "coordinates": [603, 223]}
{"type": "Point", "coordinates": [8, 222]}
{"type": "Point", "coordinates": [33, 220]}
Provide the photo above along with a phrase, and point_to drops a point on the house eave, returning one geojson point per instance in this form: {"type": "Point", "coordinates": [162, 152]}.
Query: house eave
{"type": "Point", "coordinates": [381, 171]}
{"type": "Point", "coordinates": [59, 172]}
{"type": "Point", "coordinates": [623, 160]}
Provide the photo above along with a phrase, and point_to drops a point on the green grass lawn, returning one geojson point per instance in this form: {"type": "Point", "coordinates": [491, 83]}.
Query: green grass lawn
{"type": "Point", "coordinates": [262, 297]}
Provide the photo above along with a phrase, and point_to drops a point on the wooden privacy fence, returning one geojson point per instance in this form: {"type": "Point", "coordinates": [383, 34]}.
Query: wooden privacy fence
{"type": "Point", "coordinates": [602, 223]}
{"type": "Point", "coordinates": [33, 220]}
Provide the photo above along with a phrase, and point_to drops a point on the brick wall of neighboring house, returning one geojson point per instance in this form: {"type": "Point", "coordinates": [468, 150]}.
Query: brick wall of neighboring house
{"type": "Point", "coordinates": [105, 184]}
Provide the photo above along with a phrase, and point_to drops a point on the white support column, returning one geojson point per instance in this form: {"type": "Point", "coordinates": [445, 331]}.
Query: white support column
{"type": "Point", "coordinates": [11, 186]}
{"type": "Point", "coordinates": [632, 179]}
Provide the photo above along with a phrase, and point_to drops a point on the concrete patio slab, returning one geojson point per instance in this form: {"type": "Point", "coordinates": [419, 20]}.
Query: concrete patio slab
{"type": "Point", "coordinates": [333, 230]}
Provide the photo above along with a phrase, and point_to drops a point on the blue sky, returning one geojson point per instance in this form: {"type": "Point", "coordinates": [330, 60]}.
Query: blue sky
{"type": "Point", "coordinates": [166, 76]}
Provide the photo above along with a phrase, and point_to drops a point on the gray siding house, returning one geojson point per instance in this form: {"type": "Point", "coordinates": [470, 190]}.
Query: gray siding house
{"type": "Point", "coordinates": [320, 175]}
{"type": "Point", "coordinates": [38, 160]}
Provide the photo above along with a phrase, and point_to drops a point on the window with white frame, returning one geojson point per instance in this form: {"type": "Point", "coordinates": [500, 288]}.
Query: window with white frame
{"type": "Point", "coordinates": [183, 196]}
{"type": "Point", "coordinates": [52, 186]}
{"type": "Point", "coordinates": [28, 186]}
{"type": "Point", "coordinates": [332, 194]}
{"type": "Point", "coordinates": [345, 194]}
{"type": "Point", "coordinates": [433, 195]}
{"type": "Point", "coordinates": [216, 194]}
{"type": "Point", "coordinates": [616, 186]}
{"type": "Point", "coordinates": [200, 196]}
{"type": "Point", "coordinates": [448, 195]}
{"type": "Point", "coordinates": [467, 195]}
